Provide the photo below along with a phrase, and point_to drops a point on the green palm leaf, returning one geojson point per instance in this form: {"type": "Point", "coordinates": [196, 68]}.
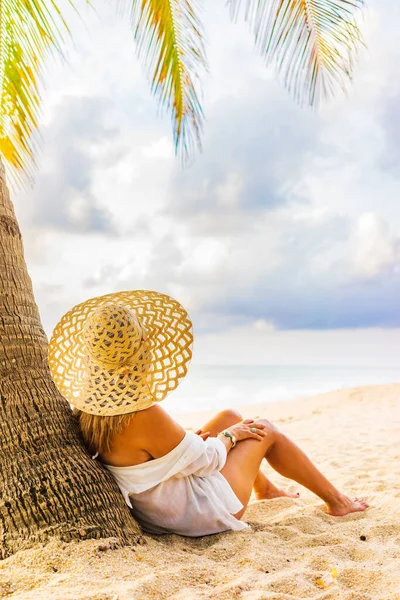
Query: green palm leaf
{"type": "Point", "coordinates": [169, 37]}
{"type": "Point", "coordinates": [312, 42]}
{"type": "Point", "coordinates": [28, 30]}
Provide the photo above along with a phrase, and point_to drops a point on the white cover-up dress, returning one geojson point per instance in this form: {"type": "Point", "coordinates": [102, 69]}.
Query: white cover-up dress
{"type": "Point", "coordinates": [183, 491]}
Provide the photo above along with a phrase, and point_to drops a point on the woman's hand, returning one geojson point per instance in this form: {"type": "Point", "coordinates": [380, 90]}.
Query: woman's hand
{"type": "Point", "coordinates": [243, 430]}
{"type": "Point", "coordinates": [203, 435]}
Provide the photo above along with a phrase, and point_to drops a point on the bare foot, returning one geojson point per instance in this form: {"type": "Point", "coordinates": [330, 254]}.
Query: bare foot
{"type": "Point", "coordinates": [345, 506]}
{"type": "Point", "coordinates": [273, 492]}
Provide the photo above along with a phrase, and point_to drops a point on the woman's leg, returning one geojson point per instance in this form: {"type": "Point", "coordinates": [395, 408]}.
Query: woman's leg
{"type": "Point", "coordinates": [263, 487]}
{"type": "Point", "coordinates": [284, 456]}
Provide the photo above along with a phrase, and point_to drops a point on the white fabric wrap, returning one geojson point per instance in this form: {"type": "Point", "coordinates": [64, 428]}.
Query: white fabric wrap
{"type": "Point", "coordinates": [183, 491]}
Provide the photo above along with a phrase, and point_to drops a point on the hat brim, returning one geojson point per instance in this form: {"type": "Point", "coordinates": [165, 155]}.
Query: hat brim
{"type": "Point", "coordinates": [100, 390]}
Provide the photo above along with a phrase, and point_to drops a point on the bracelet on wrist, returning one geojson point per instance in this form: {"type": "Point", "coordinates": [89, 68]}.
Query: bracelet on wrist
{"type": "Point", "coordinates": [228, 434]}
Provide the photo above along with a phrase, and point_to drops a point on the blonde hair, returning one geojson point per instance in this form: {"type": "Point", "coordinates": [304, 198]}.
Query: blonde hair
{"type": "Point", "coordinates": [98, 432]}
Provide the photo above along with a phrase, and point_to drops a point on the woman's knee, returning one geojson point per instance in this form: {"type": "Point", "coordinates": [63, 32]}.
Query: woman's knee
{"type": "Point", "coordinates": [230, 415]}
{"type": "Point", "coordinates": [222, 420]}
{"type": "Point", "coordinates": [271, 429]}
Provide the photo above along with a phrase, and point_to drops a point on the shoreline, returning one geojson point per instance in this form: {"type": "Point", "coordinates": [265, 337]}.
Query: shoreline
{"type": "Point", "coordinates": [282, 410]}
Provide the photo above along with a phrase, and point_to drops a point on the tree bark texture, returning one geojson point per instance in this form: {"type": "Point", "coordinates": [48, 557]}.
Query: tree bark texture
{"type": "Point", "coordinates": [49, 485]}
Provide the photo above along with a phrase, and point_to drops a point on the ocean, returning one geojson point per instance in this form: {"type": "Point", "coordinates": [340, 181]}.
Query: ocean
{"type": "Point", "coordinates": [213, 387]}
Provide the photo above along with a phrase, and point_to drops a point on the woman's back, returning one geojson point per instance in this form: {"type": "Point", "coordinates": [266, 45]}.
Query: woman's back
{"type": "Point", "coordinates": [150, 433]}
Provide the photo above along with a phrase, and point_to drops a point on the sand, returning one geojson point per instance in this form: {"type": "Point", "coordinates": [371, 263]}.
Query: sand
{"type": "Point", "coordinates": [353, 436]}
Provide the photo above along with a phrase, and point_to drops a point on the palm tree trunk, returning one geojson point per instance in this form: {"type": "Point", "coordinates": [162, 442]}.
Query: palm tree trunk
{"type": "Point", "coordinates": [49, 485]}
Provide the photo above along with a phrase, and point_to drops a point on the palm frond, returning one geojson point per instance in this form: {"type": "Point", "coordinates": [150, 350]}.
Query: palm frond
{"type": "Point", "coordinates": [313, 43]}
{"type": "Point", "coordinates": [169, 38]}
{"type": "Point", "coordinates": [28, 30]}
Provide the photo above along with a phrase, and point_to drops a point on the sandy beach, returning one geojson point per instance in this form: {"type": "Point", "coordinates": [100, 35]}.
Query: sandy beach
{"type": "Point", "coordinates": [352, 435]}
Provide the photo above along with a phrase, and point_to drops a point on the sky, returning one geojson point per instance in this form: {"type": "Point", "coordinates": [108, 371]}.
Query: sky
{"type": "Point", "coordinates": [282, 239]}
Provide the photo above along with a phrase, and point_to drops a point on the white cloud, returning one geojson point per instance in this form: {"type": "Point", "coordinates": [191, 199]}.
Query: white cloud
{"type": "Point", "coordinates": [375, 247]}
{"type": "Point", "coordinates": [263, 325]}
{"type": "Point", "coordinates": [228, 193]}
{"type": "Point", "coordinates": [161, 148]}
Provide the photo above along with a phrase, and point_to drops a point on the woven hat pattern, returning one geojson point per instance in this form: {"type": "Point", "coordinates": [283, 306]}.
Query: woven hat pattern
{"type": "Point", "coordinates": [112, 334]}
{"type": "Point", "coordinates": [121, 352]}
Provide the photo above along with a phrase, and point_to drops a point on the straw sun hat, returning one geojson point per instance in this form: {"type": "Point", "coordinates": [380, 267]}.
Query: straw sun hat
{"type": "Point", "coordinates": [119, 353]}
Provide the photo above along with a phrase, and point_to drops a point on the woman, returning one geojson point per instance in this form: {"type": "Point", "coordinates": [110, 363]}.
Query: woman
{"type": "Point", "coordinates": [115, 358]}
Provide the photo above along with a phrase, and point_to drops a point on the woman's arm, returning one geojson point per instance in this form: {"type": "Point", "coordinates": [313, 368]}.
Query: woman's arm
{"type": "Point", "coordinates": [160, 433]}
{"type": "Point", "coordinates": [225, 440]}
{"type": "Point", "coordinates": [156, 432]}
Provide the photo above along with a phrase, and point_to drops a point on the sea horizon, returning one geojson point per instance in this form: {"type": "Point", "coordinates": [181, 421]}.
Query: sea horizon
{"type": "Point", "coordinates": [216, 387]}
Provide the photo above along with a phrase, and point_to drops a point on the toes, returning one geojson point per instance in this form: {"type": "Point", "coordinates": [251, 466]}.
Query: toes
{"type": "Point", "coordinates": [361, 501]}
{"type": "Point", "coordinates": [292, 495]}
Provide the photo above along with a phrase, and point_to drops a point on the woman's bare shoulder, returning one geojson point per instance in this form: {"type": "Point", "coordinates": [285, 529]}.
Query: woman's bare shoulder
{"type": "Point", "coordinates": [152, 415]}
{"type": "Point", "coordinates": [158, 430]}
